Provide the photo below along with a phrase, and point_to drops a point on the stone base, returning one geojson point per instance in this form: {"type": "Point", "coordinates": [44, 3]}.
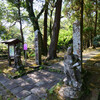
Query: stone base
{"type": "Point", "coordinates": [67, 92]}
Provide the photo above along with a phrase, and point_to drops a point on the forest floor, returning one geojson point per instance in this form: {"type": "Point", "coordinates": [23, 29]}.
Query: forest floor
{"type": "Point", "coordinates": [91, 65]}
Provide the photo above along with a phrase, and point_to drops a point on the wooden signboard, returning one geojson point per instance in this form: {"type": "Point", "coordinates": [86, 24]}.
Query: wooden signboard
{"type": "Point", "coordinates": [11, 50]}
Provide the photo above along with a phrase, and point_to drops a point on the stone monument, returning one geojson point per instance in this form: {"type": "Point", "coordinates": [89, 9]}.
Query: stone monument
{"type": "Point", "coordinates": [77, 39]}
{"type": "Point", "coordinates": [37, 48]}
{"type": "Point", "coordinates": [17, 58]}
{"type": "Point", "coordinates": [72, 67]}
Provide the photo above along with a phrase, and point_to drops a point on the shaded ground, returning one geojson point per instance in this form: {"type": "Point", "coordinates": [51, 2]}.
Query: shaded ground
{"type": "Point", "coordinates": [5, 94]}
{"type": "Point", "coordinates": [93, 82]}
{"type": "Point", "coordinates": [32, 85]}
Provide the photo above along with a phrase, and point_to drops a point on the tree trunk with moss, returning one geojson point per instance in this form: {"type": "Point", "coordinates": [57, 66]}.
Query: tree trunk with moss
{"type": "Point", "coordinates": [34, 20]}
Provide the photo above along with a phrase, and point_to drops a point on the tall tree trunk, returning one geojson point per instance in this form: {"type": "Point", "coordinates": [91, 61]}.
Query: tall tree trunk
{"type": "Point", "coordinates": [95, 23]}
{"type": "Point", "coordinates": [45, 29]}
{"type": "Point", "coordinates": [50, 29]}
{"type": "Point", "coordinates": [51, 20]}
{"type": "Point", "coordinates": [91, 40]}
{"type": "Point", "coordinates": [21, 30]}
{"type": "Point", "coordinates": [81, 28]}
{"type": "Point", "coordinates": [56, 27]}
{"type": "Point", "coordinates": [34, 21]}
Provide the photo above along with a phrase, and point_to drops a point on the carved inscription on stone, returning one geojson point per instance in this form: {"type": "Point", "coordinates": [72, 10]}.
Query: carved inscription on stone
{"type": "Point", "coordinates": [76, 39]}
{"type": "Point", "coordinates": [37, 52]}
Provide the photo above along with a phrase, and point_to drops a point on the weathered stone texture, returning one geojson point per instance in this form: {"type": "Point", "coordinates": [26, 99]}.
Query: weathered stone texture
{"type": "Point", "coordinates": [72, 67]}
{"type": "Point", "coordinates": [76, 39]}
{"type": "Point", "coordinates": [37, 50]}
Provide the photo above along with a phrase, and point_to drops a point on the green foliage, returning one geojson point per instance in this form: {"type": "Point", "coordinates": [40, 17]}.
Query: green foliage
{"type": "Point", "coordinates": [54, 70]}
{"type": "Point", "coordinates": [30, 53]}
{"type": "Point", "coordinates": [51, 91]}
{"type": "Point", "coordinates": [0, 71]}
{"type": "Point", "coordinates": [41, 67]}
{"type": "Point", "coordinates": [3, 10]}
{"type": "Point", "coordinates": [96, 41]}
{"type": "Point", "coordinates": [8, 98]}
{"type": "Point", "coordinates": [64, 37]}
{"type": "Point", "coordinates": [30, 38]}
{"type": "Point", "coordinates": [3, 32]}
{"type": "Point", "coordinates": [13, 32]}
{"type": "Point", "coordinates": [87, 29]}
{"type": "Point", "coordinates": [1, 97]}
{"type": "Point", "coordinates": [3, 47]}
{"type": "Point", "coordinates": [56, 87]}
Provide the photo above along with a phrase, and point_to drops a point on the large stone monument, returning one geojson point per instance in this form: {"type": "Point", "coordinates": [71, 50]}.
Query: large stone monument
{"type": "Point", "coordinates": [77, 39]}
{"type": "Point", "coordinates": [37, 48]}
{"type": "Point", "coordinates": [72, 67]}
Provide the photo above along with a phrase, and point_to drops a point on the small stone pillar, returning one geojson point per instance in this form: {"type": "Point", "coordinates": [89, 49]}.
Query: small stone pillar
{"type": "Point", "coordinates": [77, 39]}
{"type": "Point", "coordinates": [37, 48]}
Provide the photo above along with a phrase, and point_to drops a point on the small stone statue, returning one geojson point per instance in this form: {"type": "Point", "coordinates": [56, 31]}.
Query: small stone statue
{"type": "Point", "coordinates": [72, 69]}
{"type": "Point", "coordinates": [17, 57]}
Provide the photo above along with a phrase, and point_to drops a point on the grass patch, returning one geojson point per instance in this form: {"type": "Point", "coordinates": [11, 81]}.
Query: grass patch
{"type": "Point", "coordinates": [21, 72]}
{"type": "Point", "coordinates": [52, 94]}
{"type": "Point", "coordinates": [11, 72]}
{"type": "Point", "coordinates": [50, 69]}
{"type": "Point", "coordinates": [8, 95]}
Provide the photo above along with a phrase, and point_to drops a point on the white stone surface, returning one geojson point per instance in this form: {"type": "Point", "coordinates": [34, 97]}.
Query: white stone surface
{"type": "Point", "coordinates": [76, 39]}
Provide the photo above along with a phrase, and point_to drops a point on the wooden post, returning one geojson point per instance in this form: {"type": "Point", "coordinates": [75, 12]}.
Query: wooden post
{"type": "Point", "coordinates": [9, 59]}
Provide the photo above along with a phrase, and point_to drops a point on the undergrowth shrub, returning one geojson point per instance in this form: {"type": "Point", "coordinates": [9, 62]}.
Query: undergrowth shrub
{"type": "Point", "coordinates": [65, 39]}
{"type": "Point", "coordinates": [96, 41]}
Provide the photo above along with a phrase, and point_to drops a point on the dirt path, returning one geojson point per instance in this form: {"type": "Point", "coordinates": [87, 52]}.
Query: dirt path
{"type": "Point", "coordinates": [89, 53]}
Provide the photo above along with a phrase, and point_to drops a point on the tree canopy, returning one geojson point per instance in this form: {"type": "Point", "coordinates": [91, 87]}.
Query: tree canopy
{"type": "Point", "coordinates": [43, 15]}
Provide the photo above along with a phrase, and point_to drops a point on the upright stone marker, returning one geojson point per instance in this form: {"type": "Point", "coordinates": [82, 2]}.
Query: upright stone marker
{"type": "Point", "coordinates": [76, 39]}
{"type": "Point", "coordinates": [72, 67]}
{"type": "Point", "coordinates": [37, 48]}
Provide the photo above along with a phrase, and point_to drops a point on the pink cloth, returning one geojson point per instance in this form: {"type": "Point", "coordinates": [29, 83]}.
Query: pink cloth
{"type": "Point", "coordinates": [25, 46]}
